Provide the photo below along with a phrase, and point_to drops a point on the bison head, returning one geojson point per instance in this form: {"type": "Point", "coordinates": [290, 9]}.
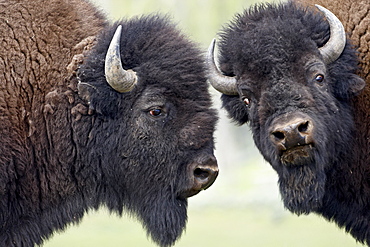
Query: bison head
{"type": "Point", "coordinates": [152, 129]}
{"type": "Point", "coordinates": [290, 73]}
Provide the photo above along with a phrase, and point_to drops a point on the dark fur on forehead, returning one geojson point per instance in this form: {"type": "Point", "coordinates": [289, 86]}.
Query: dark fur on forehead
{"type": "Point", "coordinates": [158, 52]}
{"type": "Point", "coordinates": [268, 35]}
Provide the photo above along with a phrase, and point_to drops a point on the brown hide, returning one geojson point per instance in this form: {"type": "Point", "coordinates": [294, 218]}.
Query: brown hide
{"type": "Point", "coordinates": [355, 16]}
{"type": "Point", "coordinates": [37, 42]}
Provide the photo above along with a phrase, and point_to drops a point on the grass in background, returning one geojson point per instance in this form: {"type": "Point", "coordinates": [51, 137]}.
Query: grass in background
{"type": "Point", "coordinates": [211, 227]}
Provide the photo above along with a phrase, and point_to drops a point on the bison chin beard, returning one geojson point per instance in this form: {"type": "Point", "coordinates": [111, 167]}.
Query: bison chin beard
{"type": "Point", "coordinates": [302, 187]}
{"type": "Point", "coordinates": [164, 219]}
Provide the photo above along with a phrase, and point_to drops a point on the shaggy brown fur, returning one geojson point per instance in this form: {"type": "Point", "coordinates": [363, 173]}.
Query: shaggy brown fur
{"type": "Point", "coordinates": [37, 40]}
{"type": "Point", "coordinates": [35, 48]}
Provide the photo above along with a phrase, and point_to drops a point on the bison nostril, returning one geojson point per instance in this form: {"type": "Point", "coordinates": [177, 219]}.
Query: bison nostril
{"type": "Point", "coordinates": [204, 176]}
{"type": "Point", "coordinates": [201, 173]}
{"type": "Point", "coordinates": [291, 132]}
{"type": "Point", "coordinates": [302, 128]}
{"type": "Point", "coordinates": [278, 135]}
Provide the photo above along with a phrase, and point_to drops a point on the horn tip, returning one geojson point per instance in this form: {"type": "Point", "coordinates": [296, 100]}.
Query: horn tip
{"type": "Point", "coordinates": [320, 7]}
{"type": "Point", "coordinates": [118, 30]}
{"type": "Point", "coordinates": [213, 44]}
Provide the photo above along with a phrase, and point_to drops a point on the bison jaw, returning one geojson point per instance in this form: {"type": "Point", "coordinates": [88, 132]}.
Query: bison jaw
{"type": "Point", "coordinates": [302, 187]}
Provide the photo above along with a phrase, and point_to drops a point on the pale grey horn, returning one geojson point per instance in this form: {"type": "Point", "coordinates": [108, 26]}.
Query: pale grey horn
{"type": "Point", "coordinates": [337, 41]}
{"type": "Point", "coordinates": [118, 78]}
{"type": "Point", "coordinates": [222, 83]}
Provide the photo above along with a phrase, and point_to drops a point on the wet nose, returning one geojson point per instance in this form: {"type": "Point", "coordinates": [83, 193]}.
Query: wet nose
{"type": "Point", "coordinates": [204, 174]}
{"type": "Point", "coordinates": [292, 132]}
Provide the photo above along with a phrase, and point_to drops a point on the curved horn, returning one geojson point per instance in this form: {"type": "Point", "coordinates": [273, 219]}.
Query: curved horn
{"type": "Point", "coordinates": [222, 83]}
{"type": "Point", "coordinates": [119, 79]}
{"type": "Point", "coordinates": [337, 41]}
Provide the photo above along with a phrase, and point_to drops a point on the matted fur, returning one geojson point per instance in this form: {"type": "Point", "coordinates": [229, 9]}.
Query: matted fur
{"type": "Point", "coordinates": [66, 148]}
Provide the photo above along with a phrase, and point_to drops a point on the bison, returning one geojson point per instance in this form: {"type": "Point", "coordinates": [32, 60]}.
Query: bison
{"type": "Point", "coordinates": [98, 114]}
{"type": "Point", "coordinates": [289, 71]}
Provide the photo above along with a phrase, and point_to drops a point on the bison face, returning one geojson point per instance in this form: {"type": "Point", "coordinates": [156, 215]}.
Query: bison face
{"type": "Point", "coordinates": [158, 151]}
{"type": "Point", "coordinates": [295, 125]}
{"type": "Point", "coordinates": [153, 123]}
{"type": "Point", "coordinates": [170, 158]}
{"type": "Point", "coordinates": [294, 95]}
{"type": "Point", "coordinates": [299, 126]}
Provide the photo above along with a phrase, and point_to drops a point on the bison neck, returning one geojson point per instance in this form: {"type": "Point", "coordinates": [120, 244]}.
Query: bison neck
{"type": "Point", "coordinates": [347, 197]}
{"type": "Point", "coordinates": [56, 175]}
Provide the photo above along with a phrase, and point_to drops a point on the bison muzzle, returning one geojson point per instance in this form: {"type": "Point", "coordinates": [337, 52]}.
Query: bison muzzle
{"type": "Point", "coordinates": [292, 135]}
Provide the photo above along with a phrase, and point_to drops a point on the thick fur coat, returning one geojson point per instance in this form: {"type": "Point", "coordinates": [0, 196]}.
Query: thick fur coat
{"type": "Point", "coordinates": [272, 51]}
{"type": "Point", "coordinates": [69, 145]}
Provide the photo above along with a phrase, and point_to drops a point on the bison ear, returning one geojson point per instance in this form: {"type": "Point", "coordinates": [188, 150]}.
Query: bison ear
{"type": "Point", "coordinates": [357, 84]}
{"type": "Point", "coordinates": [236, 109]}
{"type": "Point", "coordinates": [348, 87]}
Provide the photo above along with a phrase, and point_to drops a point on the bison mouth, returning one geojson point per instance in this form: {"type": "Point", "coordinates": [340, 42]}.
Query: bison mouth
{"type": "Point", "coordinates": [302, 179]}
{"type": "Point", "coordinates": [188, 193]}
{"type": "Point", "coordinates": [297, 156]}
{"type": "Point", "coordinates": [202, 181]}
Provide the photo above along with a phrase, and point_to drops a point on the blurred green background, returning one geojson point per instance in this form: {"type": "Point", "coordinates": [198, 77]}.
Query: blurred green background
{"type": "Point", "coordinates": [243, 207]}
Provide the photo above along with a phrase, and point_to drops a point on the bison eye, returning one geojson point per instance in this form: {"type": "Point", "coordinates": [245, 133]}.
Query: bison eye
{"type": "Point", "coordinates": [246, 101]}
{"type": "Point", "coordinates": [155, 112]}
{"type": "Point", "coordinates": [319, 78]}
